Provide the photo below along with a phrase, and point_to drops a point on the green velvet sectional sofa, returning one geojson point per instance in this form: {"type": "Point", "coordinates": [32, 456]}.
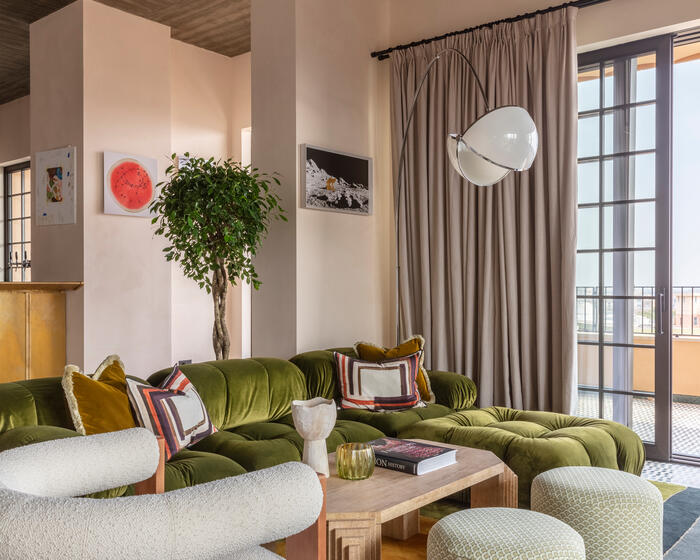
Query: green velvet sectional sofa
{"type": "Point", "coordinates": [250, 402]}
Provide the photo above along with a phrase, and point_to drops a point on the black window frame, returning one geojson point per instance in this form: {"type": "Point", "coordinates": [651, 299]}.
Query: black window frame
{"type": "Point", "coordinates": [662, 46]}
{"type": "Point", "coordinates": [7, 220]}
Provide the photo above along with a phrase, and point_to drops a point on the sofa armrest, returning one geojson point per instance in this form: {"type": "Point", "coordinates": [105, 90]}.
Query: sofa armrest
{"type": "Point", "coordinates": [212, 520]}
{"type": "Point", "coordinates": [75, 466]}
{"type": "Point", "coordinates": [452, 389]}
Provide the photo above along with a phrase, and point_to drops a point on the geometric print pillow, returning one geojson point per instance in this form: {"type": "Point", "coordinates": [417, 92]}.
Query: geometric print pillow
{"type": "Point", "coordinates": [173, 410]}
{"type": "Point", "coordinates": [386, 385]}
{"type": "Point", "coordinates": [414, 343]}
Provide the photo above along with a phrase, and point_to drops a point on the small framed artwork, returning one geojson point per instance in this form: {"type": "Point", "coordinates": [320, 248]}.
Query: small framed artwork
{"type": "Point", "coordinates": [55, 185]}
{"type": "Point", "coordinates": [336, 181]}
{"type": "Point", "coordinates": [129, 184]}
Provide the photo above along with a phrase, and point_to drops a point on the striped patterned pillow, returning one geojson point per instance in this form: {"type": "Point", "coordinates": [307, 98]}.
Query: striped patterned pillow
{"type": "Point", "coordinates": [173, 410]}
{"type": "Point", "coordinates": [386, 385]}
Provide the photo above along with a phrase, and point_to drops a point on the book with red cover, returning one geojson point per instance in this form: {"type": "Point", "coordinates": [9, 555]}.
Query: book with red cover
{"type": "Point", "coordinates": [411, 456]}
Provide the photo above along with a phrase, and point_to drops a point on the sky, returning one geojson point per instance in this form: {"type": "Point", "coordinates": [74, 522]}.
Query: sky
{"type": "Point", "coordinates": [686, 178]}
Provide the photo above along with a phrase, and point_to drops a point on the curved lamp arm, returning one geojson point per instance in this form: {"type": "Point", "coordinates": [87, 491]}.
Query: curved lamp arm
{"type": "Point", "coordinates": [498, 142]}
{"type": "Point", "coordinates": [420, 88]}
{"type": "Point", "coordinates": [403, 155]}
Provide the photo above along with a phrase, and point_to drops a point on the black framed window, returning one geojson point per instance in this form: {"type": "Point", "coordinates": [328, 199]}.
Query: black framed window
{"type": "Point", "coordinates": [623, 264]}
{"type": "Point", "coordinates": [17, 223]}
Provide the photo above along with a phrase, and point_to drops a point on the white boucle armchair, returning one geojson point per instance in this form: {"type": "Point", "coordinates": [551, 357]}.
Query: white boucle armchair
{"type": "Point", "coordinates": [225, 519]}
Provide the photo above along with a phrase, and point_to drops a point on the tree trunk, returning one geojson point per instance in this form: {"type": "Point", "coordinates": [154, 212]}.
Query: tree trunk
{"type": "Point", "coordinates": [219, 287]}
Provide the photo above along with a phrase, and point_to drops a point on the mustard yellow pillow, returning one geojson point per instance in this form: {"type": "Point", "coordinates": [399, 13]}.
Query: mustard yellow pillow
{"type": "Point", "coordinates": [98, 403]}
{"type": "Point", "coordinates": [373, 353]}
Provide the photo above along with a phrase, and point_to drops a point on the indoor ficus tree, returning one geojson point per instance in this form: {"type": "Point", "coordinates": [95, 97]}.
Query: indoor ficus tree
{"type": "Point", "coordinates": [215, 215]}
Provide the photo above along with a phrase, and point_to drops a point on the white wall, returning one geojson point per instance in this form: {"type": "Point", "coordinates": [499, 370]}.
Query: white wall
{"type": "Point", "coordinates": [202, 84]}
{"type": "Point", "coordinates": [326, 276]}
{"type": "Point", "coordinates": [612, 22]}
{"type": "Point", "coordinates": [344, 262]}
{"type": "Point", "coordinates": [239, 97]}
{"type": "Point", "coordinates": [14, 130]}
{"type": "Point", "coordinates": [620, 21]}
{"type": "Point", "coordinates": [149, 96]}
{"type": "Point", "coordinates": [273, 109]}
{"type": "Point", "coordinates": [239, 297]}
{"type": "Point", "coordinates": [14, 145]}
{"type": "Point", "coordinates": [56, 119]}
{"type": "Point", "coordinates": [126, 109]}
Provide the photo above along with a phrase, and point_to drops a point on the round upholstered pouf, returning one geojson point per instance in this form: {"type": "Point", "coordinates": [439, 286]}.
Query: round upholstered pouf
{"type": "Point", "coordinates": [618, 514]}
{"type": "Point", "coordinates": [503, 534]}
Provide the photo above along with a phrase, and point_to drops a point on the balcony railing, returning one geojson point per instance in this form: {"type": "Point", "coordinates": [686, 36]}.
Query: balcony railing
{"type": "Point", "coordinates": [685, 310]}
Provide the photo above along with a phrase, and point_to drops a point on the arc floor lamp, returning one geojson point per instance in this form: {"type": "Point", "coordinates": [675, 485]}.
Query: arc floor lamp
{"type": "Point", "coordinates": [498, 142]}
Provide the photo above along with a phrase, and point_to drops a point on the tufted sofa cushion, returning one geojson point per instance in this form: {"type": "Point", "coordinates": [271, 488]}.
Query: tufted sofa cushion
{"type": "Point", "coordinates": [391, 423]}
{"type": "Point", "coordinates": [238, 392]}
{"type": "Point", "coordinates": [31, 403]}
{"type": "Point", "coordinates": [261, 445]}
{"type": "Point", "coordinates": [532, 442]}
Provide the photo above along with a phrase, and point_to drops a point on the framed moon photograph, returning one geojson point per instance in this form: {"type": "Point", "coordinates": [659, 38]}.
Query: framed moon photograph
{"type": "Point", "coordinates": [336, 181]}
{"type": "Point", "coordinates": [129, 184]}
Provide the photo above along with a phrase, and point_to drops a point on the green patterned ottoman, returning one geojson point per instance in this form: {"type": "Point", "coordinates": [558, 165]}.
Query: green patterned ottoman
{"type": "Point", "coordinates": [619, 515]}
{"type": "Point", "coordinates": [503, 534]}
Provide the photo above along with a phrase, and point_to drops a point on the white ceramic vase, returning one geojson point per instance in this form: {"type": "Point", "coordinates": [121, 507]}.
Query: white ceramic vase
{"type": "Point", "coordinates": [314, 419]}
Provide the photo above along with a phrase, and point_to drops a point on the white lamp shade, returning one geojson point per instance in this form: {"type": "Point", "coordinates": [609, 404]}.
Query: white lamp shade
{"type": "Point", "coordinates": [506, 136]}
{"type": "Point", "coordinates": [471, 166]}
{"type": "Point", "coordinates": [500, 141]}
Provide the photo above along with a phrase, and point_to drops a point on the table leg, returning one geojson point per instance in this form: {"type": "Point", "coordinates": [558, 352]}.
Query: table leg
{"type": "Point", "coordinates": [403, 527]}
{"type": "Point", "coordinates": [354, 539]}
{"type": "Point", "coordinates": [499, 491]}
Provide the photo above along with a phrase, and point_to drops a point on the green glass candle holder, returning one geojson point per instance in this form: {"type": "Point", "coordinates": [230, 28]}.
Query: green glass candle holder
{"type": "Point", "coordinates": [355, 461]}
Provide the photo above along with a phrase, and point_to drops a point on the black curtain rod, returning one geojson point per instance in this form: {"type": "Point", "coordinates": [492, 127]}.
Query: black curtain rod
{"type": "Point", "coordinates": [381, 55]}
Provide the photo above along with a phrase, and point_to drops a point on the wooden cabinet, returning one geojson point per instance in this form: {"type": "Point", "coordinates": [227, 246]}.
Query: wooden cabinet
{"type": "Point", "coordinates": [33, 329]}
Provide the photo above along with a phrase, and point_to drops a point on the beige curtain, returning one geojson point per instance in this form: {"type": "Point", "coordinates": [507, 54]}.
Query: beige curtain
{"type": "Point", "coordinates": [487, 274]}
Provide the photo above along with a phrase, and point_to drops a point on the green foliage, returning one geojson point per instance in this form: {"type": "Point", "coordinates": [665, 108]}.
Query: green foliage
{"type": "Point", "coordinates": [215, 215]}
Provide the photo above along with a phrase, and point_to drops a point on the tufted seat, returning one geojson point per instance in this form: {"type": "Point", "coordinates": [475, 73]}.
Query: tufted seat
{"type": "Point", "coordinates": [391, 423]}
{"type": "Point", "coordinates": [265, 444]}
{"type": "Point", "coordinates": [533, 442]}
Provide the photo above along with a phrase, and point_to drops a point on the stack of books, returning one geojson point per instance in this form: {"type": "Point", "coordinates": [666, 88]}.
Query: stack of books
{"type": "Point", "coordinates": [410, 456]}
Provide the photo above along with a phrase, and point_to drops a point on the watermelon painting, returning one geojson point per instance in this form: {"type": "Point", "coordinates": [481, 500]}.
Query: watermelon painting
{"type": "Point", "coordinates": [129, 184]}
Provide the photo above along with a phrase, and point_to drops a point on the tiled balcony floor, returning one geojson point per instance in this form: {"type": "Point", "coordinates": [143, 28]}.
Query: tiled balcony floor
{"type": "Point", "coordinates": [676, 473]}
{"type": "Point", "coordinates": [686, 434]}
{"type": "Point", "coordinates": [685, 426]}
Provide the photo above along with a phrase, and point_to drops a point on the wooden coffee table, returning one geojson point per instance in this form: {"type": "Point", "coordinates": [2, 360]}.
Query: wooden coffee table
{"type": "Point", "coordinates": [388, 503]}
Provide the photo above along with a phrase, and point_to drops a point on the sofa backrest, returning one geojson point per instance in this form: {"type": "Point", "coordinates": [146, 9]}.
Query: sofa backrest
{"type": "Point", "coordinates": [320, 371]}
{"type": "Point", "coordinates": [37, 402]}
{"type": "Point", "coordinates": [239, 392]}
{"type": "Point", "coordinates": [235, 392]}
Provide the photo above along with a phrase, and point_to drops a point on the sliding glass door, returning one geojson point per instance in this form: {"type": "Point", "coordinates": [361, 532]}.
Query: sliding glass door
{"type": "Point", "coordinates": [623, 261]}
